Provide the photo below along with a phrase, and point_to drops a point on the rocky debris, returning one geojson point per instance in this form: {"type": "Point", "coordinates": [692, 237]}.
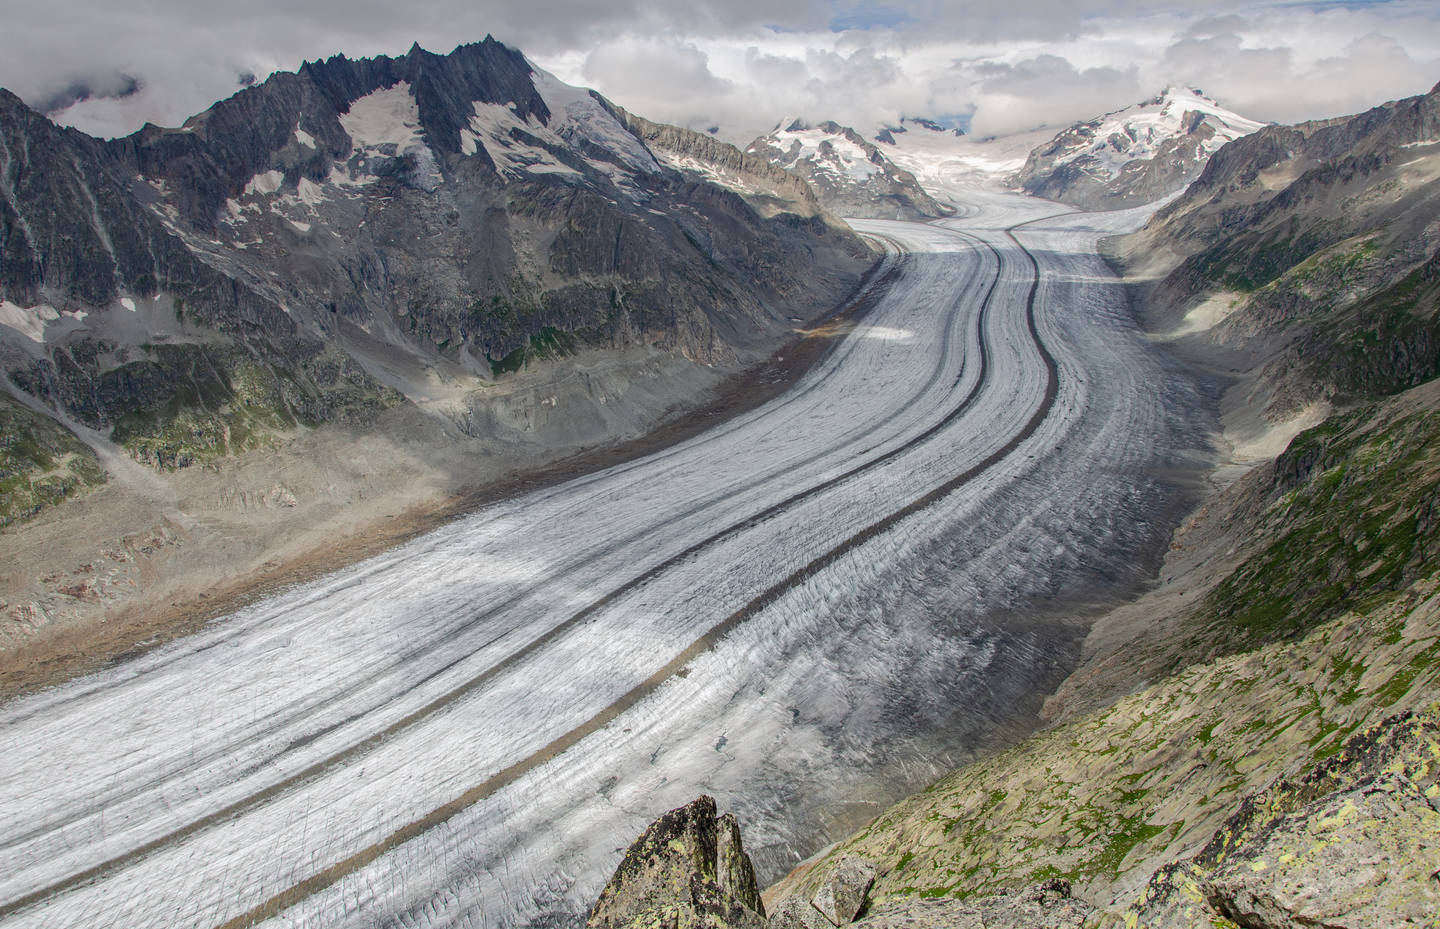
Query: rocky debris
{"type": "Point", "coordinates": [1042, 906]}
{"type": "Point", "coordinates": [841, 898]}
{"type": "Point", "coordinates": [689, 869]}
{"type": "Point", "coordinates": [1354, 843]}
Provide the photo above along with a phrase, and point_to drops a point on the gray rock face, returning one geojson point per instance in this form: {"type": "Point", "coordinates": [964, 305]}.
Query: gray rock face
{"type": "Point", "coordinates": [687, 870]}
{"type": "Point", "coordinates": [297, 250]}
{"type": "Point", "coordinates": [1354, 843]}
{"type": "Point", "coordinates": [1134, 155]}
{"type": "Point", "coordinates": [795, 912]}
{"type": "Point", "coordinates": [1365, 858]}
{"type": "Point", "coordinates": [851, 175]}
{"type": "Point", "coordinates": [841, 898]}
{"type": "Point", "coordinates": [1043, 906]}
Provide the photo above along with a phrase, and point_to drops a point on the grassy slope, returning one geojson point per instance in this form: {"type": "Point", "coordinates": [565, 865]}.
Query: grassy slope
{"type": "Point", "coordinates": [41, 463]}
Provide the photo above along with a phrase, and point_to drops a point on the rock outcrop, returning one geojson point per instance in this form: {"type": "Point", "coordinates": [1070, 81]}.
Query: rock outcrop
{"type": "Point", "coordinates": [689, 869]}
{"type": "Point", "coordinates": [1352, 844]}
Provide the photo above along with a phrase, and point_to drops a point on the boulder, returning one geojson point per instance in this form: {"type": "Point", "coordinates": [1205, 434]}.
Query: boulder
{"type": "Point", "coordinates": [841, 898]}
{"type": "Point", "coordinates": [795, 912]}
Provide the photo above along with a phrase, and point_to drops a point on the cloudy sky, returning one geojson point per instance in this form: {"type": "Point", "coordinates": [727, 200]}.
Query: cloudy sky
{"type": "Point", "coordinates": [742, 65]}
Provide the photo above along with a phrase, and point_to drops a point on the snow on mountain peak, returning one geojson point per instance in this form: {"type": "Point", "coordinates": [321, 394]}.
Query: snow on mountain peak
{"type": "Point", "coordinates": [1138, 131]}
{"type": "Point", "coordinates": [1135, 154]}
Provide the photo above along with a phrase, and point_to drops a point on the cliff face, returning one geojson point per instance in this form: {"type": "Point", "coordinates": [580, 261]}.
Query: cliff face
{"type": "Point", "coordinates": [337, 241]}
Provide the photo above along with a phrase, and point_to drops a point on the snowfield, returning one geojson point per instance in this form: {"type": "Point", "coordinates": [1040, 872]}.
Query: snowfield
{"type": "Point", "coordinates": [807, 611]}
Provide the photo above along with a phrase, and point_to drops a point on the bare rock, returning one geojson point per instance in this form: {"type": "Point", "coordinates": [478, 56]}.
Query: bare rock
{"type": "Point", "coordinates": [841, 898]}
{"type": "Point", "coordinates": [687, 871]}
{"type": "Point", "coordinates": [795, 912]}
{"type": "Point", "coordinates": [1043, 906]}
{"type": "Point", "coordinates": [1366, 858]}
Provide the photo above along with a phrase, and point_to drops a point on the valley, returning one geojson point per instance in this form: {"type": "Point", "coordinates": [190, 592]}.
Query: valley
{"type": "Point", "coordinates": [809, 611]}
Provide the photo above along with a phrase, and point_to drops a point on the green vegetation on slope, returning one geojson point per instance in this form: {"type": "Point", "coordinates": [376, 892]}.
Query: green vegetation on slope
{"type": "Point", "coordinates": [41, 463]}
{"type": "Point", "coordinates": [1351, 522]}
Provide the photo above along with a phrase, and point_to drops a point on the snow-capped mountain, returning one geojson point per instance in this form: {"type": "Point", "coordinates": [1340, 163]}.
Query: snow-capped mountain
{"type": "Point", "coordinates": [1134, 155]}
{"type": "Point", "coordinates": [851, 175]}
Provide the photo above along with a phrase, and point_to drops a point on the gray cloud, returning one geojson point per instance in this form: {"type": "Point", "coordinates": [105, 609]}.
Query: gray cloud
{"type": "Point", "coordinates": [1046, 90]}
{"type": "Point", "coordinates": [745, 64]}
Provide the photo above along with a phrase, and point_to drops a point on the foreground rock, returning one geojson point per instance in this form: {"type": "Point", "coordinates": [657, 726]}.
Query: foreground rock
{"type": "Point", "coordinates": [689, 869]}
{"type": "Point", "coordinates": [1352, 844]}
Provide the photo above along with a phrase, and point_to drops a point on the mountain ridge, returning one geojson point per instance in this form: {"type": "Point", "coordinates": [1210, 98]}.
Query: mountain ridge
{"type": "Point", "coordinates": [1132, 155]}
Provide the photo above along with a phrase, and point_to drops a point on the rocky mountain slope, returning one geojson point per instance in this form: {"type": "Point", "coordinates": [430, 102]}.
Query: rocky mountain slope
{"type": "Point", "coordinates": [1134, 155]}
{"type": "Point", "coordinates": [325, 245]}
{"type": "Point", "coordinates": [336, 300]}
{"type": "Point", "coordinates": [851, 175]}
{"type": "Point", "coordinates": [1303, 263]}
{"type": "Point", "coordinates": [1253, 741]}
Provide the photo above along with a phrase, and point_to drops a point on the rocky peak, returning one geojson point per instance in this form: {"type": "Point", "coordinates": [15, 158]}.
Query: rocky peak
{"type": "Point", "coordinates": [688, 869]}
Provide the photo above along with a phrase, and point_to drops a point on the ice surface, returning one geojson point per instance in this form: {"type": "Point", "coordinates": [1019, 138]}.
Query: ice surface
{"type": "Point", "coordinates": [467, 730]}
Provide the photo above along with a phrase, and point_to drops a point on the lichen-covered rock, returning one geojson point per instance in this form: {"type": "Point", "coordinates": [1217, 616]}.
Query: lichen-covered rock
{"type": "Point", "coordinates": [733, 872]}
{"type": "Point", "coordinates": [1361, 859]}
{"type": "Point", "coordinates": [795, 912]}
{"type": "Point", "coordinates": [1043, 906]}
{"type": "Point", "coordinates": [687, 871]}
{"type": "Point", "coordinates": [841, 898]}
{"type": "Point", "coordinates": [1353, 843]}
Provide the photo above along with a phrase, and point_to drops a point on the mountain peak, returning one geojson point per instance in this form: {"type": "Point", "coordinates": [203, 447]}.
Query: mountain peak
{"type": "Point", "coordinates": [851, 175]}
{"type": "Point", "coordinates": [1134, 154]}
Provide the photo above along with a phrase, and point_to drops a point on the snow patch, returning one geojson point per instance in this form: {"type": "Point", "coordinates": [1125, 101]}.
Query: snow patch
{"type": "Point", "coordinates": [386, 117]}
{"type": "Point", "coordinates": [128, 304]}
{"type": "Point", "coordinates": [28, 321]}
{"type": "Point", "coordinates": [262, 184]}
{"type": "Point", "coordinates": [387, 122]}
{"type": "Point", "coordinates": [495, 128]}
{"type": "Point", "coordinates": [309, 192]}
{"type": "Point", "coordinates": [305, 138]}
